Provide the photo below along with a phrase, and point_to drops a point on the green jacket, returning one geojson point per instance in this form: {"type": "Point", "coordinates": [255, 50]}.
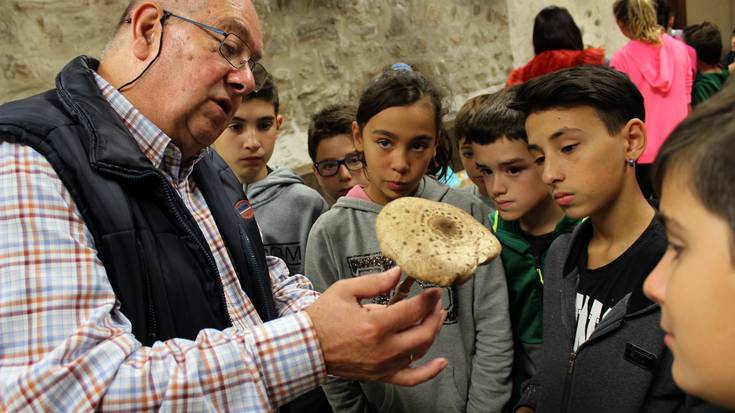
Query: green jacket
{"type": "Point", "coordinates": [706, 85]}
{"type": "Point", "coordinates": [525, 277]}
{"type": "Point", "coordinates": [525, 280]}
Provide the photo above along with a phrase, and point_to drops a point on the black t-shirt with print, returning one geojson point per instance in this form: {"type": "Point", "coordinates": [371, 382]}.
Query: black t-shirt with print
{"type": "Point", "coordinates": [601, 288]}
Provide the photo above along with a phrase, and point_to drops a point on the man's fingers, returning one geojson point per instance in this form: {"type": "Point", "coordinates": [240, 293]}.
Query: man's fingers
{"type": "Point", "coordinates": [419, 338]}
{"type": "Point", "coordinates": [369, 286]}
{"type": "Point", "coordinates": [411, 376]}
{"type": "Point", "coordinates": [409, 312]}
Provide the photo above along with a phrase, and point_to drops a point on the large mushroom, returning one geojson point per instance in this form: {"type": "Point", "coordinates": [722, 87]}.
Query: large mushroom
{"type": "Point", "coordinates": [433, 241]}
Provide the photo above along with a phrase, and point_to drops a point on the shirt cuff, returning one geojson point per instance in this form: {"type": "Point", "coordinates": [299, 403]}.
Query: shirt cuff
{"type": "Point", "coordinates": [290, 356]}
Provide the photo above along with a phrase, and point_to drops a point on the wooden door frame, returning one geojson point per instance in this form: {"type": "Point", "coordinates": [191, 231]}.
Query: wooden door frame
{"type": "Point", "coordinates": [679, 8]}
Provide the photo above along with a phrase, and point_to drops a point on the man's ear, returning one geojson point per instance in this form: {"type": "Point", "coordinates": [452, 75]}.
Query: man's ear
{"type": "Point", "coordinates": [635, 135]}
{"type": "Point", "coordinates": [145, 26]}
{"type": "Point", "coordinates": [279, 122]}
{"type": "Point", "coordinates": [357, 137]}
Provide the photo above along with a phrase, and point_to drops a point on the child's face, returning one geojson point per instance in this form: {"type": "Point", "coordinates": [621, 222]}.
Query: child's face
{"type": "Point", "coordinates": [467, 157]}
{"type": "Point", "coordinates": [582, 162]}
{"type": "Point", "coordinates": [512, 177]}
{"type": "Point", "coordinates": [732, 43]}
{"type": "Point", "coordinates": [695, 285]}
{"type": "Point", "coordinates": [336, 148]}
{"type": "Point", "coordinates": [247, 143]}
{"type": "Point", "coordinates": [398, 144]}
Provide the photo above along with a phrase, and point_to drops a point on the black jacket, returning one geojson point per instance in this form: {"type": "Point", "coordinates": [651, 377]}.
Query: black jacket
{"type": "Point", "coordinates": [155, 256]}
{"type": "Point", "coordinates": [623, 367]}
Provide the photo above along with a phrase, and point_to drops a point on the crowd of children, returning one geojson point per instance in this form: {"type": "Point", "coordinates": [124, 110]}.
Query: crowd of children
{"type": "Point", "coordinates": [559, 164]}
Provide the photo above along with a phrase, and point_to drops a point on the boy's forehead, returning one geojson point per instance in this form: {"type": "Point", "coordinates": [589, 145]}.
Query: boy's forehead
{"type": "Point", "coordinates": [502, 148]}
{"type": "Point", "coordinates": [335, 144]}
{"type": "Point", "coordinates": [256, 106]}
{"type": "Point", "coordinates": [551, 123]}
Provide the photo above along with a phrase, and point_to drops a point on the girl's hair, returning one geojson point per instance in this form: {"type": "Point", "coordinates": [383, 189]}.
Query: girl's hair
{"type": "Point", "coordinates": [401, 86]}
{"type": "Point", "coordinates": [639, 19]}
{"type": "Point", "coordinates": [554, 29]}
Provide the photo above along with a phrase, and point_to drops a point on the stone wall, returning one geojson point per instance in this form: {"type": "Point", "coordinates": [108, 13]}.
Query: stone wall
{"type": "Point", "coordinates": [319, 51]}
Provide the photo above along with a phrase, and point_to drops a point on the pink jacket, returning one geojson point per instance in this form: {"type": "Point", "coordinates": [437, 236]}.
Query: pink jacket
{"type": "Point", "coordinates": [663, 74]}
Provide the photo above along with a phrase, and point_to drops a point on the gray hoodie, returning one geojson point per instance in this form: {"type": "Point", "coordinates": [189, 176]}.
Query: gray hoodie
{"type": "Point", "coordinates": [285, 209]}
{"type": "Point", "coordinates": [475, 338]}
{"type": "Point", "coordinates": [623, 366]}
{"type": "Point", "coordinates": [472, 189]}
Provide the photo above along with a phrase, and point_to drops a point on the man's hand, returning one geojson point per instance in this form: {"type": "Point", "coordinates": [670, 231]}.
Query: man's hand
{"type": "Point", "coordinates": [375, 343]}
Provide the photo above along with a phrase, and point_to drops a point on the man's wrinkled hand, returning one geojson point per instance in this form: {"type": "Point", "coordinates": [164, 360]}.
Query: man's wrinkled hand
{"type": "Point", "coordinates": [377, 343]}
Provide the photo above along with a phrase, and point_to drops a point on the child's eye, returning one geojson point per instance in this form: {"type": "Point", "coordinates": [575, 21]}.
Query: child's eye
{"type": "Point", "coordinates": [569, 148]}
{"type": "Point", "coordinates": [514, 170]}
{"type": "Point", "coordinates": [676, 249]}
{"type": "Point", "coordinates": [467, 154]}
{"type": "Point", "coordinates": [486, 171]}
{"type": "Point", "coordinates": [418, 147]}
{"type": "Point", "coordinates": [235, 127]}
{"type": "Point", "coordinates": [383, 143]}
{"type": "Point", "coordinates": [540, 160]}
{"type": "Point", "coordinates": [265, 125]}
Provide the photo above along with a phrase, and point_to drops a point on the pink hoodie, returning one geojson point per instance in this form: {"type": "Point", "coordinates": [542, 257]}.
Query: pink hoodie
{"type": "Point", "coordinates": [663, 74]}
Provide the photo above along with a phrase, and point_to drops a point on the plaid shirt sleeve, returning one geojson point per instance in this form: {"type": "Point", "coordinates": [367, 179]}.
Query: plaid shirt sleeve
{"type": "Point", "coordinates": [292, 293]}
{"type": "Point", "coordinates": [64, 344]}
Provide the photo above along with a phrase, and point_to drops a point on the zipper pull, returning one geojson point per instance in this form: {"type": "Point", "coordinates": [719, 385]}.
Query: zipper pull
{"type": "Point", "coordinates": [572, 358]}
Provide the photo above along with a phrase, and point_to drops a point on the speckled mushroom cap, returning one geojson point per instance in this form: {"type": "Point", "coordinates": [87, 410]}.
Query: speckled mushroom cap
{"type": "Point", "coordinates": [434, 241]}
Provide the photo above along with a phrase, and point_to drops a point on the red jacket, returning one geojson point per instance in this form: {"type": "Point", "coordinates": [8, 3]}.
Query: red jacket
{"type": "Point", "coordinates": [553, 60]}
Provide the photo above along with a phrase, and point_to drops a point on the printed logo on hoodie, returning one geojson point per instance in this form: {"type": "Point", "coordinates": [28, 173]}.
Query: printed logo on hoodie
{"type": "Point", "coordinates": [376, 262]}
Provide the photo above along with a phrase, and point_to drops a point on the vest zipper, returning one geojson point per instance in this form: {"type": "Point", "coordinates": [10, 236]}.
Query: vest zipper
{"type": "Point", "coordinates": [151, 316]}
{"type": "Point", "coordinates": [172, 200]}
{"type": "Point", "coordinates": [205, 248]}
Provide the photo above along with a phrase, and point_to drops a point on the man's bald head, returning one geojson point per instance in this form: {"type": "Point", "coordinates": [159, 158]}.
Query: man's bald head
{"type": "Point", "coordinates": [182, 81]}
{"type": "Point", "coordinates": [181, 6]}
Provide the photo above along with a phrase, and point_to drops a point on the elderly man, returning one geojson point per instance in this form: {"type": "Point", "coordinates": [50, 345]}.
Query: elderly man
{"type": "Point", "coordinates": [133, 276]}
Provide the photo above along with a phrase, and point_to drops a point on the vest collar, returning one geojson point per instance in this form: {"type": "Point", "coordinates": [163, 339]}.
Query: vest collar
{"type": "Point", "coordinates": [111, 146]}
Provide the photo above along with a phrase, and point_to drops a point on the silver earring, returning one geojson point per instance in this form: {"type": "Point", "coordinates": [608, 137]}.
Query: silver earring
{"type": "Point", "coordinates": [630, 162]}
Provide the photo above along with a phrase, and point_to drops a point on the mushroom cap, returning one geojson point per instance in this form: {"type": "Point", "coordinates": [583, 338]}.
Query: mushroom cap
{"type": "Point", "coordinates": [434, 241]}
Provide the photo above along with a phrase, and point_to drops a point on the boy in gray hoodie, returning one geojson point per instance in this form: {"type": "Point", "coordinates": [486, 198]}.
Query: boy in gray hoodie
{"type": "Point", "coordinates": [284, 206]}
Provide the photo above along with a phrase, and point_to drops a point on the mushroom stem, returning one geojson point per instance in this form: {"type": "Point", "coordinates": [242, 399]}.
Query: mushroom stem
{"type": "Point", "coordinates": [402, 290]}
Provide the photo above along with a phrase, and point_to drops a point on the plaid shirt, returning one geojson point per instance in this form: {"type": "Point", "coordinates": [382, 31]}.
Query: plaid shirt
{"type": "Point", "coordinates": [65, 345]}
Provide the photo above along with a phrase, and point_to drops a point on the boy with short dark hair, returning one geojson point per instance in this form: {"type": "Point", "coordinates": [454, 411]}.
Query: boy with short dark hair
{"type": "Point", "coordinates": [603, 350]}
{"type": "Point", "coordinates": [526, 222]}
{"type": "Point", "coordinates": [337, 165]}
{"type": "Point", "coordinates": [695, 281]}
{"type": "Point", "coordinates": [469, 122]}
{"type": "Point", "coordinates": [284, 206]}
{"type": "Point", "coordinates": [706, 40]}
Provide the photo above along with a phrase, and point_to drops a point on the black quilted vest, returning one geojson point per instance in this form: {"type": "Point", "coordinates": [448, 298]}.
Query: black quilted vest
{"type": "Point", "coordinates": [155, 256]}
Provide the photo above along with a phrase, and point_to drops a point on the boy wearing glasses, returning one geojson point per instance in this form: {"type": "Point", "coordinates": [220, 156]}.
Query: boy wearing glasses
{"type": "Point", "coordinates": [337, 164]}
{"type": "Point", "coordinates": [284, 207]}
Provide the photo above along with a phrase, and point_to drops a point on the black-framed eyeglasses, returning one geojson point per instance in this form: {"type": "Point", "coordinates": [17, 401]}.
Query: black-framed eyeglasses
{"type": "Point", "coordinates": [330, 167]}
{"type": "Point", "coordinates": [233, 49]}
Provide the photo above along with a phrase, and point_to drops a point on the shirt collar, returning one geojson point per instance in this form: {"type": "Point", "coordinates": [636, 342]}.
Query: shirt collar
{"type": "Point", "coordinates": [155, 145]}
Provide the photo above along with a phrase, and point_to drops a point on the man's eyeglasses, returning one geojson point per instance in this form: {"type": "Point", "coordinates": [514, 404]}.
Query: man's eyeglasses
{"type": "Point", "coordinates": [233, 49]}
{"type": "Point", "coordinates": [330, 167]}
